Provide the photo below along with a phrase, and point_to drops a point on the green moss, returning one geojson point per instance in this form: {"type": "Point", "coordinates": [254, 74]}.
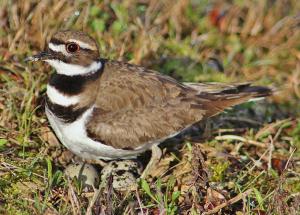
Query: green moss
{"type": "Point", "coordinates": [219, 171]}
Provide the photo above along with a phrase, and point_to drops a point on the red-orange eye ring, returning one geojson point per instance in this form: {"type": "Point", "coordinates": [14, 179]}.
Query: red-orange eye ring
{"type": "Point", "coordinates": [72, 47]}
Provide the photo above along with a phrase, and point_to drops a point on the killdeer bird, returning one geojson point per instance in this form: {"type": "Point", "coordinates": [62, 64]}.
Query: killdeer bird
{"type": "Point", "coordinates": [104, 109]}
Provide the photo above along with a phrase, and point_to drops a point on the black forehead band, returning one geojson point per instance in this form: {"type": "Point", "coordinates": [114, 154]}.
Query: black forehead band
{"type": "Point", "coordinates": [57, 41]}
{"type": "Point", "coordinates": [60, 42]}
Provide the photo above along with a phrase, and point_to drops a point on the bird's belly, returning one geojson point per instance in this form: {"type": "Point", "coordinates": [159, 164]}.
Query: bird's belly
{"type": "Point", "coordinates": [73, 136]}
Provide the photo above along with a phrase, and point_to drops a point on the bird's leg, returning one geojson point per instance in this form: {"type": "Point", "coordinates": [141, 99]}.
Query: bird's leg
{"type": "Point", "coordinates": [155, 158]}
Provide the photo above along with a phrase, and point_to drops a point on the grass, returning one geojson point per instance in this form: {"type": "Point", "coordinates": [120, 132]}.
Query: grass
{"type": "Point", "coordinates": [251, 150]}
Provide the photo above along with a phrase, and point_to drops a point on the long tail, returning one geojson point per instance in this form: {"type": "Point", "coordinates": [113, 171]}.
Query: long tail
{"type": "Point", "coordinates": [218, 97]}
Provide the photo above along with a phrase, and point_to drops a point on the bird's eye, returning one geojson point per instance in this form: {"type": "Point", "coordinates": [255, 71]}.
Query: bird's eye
{"type": "Point", "coordinates": [72, 47]}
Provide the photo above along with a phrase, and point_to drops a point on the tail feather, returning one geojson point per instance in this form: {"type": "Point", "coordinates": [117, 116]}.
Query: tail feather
{"type": "Point", "coordinates": [218, 97]}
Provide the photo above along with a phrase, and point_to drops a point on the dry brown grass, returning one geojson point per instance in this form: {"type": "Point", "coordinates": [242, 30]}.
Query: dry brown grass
{"type": "Point", "coordinates": [254, 41]}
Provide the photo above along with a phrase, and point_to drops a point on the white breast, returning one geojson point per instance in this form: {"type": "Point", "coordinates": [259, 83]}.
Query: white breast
{"type": "Point", "coordinates": [74, 137]}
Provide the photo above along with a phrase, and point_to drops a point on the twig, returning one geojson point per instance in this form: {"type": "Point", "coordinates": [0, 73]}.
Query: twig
{"type": "Point", "coordinates": [242, 139]}
{"type": "Point", "coordinates": [288, 161]}
{"type": "Point", "coordinates": [271, 149]}
{"type": "Point", "coordinates": [92, 202]}
{"type": "Point", "coordinates": [139, 201]}
{"type": "Point", "coordinates": [73, 199]}
{"type": "Point", "coordinates": [109, 206]}
{"type": "Point", "coordinates": [256, 164]}
{"type": "Point", "coordinates": [10, 167]}
{"type": "Point", "coordinates": [269, 128]}
{"type": "Point", "coordinates": [229, 202]}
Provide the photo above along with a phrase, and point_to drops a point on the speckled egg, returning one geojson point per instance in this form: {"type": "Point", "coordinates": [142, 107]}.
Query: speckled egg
{"type": "Point", "coordinates": [124, 174]}
{"type": "Point", "coordinates": [84, 172]}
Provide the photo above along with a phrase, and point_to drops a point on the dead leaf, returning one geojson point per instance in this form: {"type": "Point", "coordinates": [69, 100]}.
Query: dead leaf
{"type": "Point", "coordinates": [213, 198]}
{"type": "Point", "coordinates": [278, 164]}
{"type": "Point", "coordinates": [48, 136]}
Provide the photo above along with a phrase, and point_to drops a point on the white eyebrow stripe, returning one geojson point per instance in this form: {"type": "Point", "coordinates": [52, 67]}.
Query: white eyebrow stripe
{"type": "Point", "coordinates": [58, 48]}
{"type": "Point", "coordinates": [59, 98]}
{"type": "Point", "coordinates": [82, 44]}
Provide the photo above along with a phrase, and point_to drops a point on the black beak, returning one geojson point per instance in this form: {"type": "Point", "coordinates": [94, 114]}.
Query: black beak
{"type": "Point", "coordinates": [40, 56]}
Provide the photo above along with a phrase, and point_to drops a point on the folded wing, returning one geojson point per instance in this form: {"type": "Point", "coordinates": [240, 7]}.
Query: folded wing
{"type": "Point", "coordinates": [141, 106]}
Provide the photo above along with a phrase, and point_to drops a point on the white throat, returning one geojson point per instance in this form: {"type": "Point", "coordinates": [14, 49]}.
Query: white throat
{"type": "Point", "coordinates": [72, 69]}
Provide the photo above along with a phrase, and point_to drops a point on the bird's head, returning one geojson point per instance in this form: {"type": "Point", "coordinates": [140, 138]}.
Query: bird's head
{"type": "Point", "coordinates": [71, 53]}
